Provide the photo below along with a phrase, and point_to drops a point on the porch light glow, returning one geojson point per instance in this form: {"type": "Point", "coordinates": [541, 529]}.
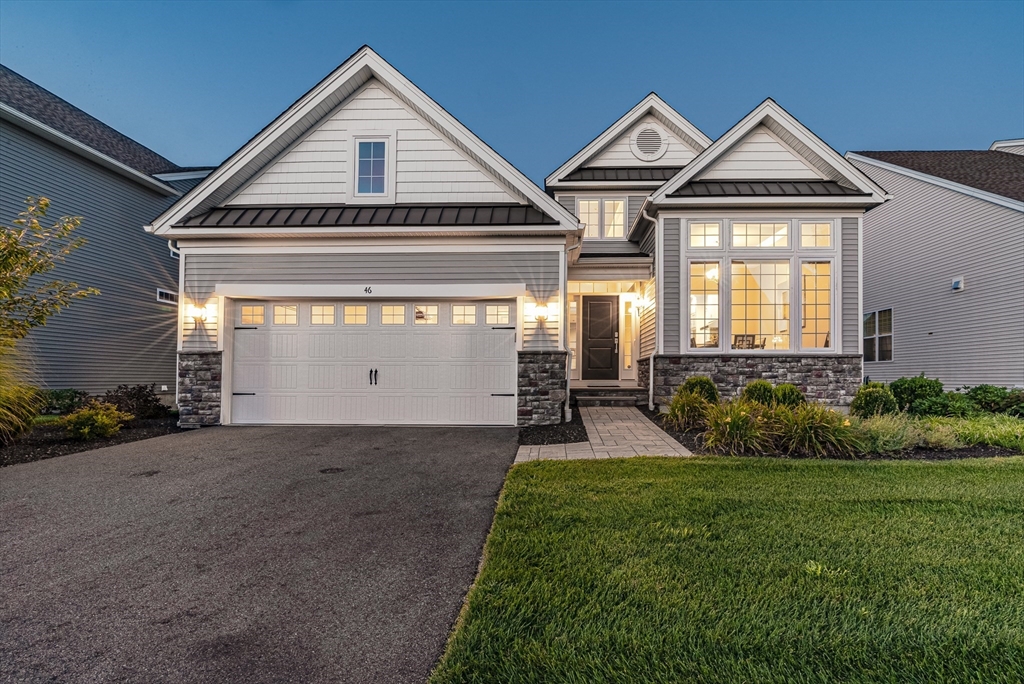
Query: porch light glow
{"type": "Point", "coordinates": [200, 313]}
{"type": "Point", "coordinates": [540, 312]}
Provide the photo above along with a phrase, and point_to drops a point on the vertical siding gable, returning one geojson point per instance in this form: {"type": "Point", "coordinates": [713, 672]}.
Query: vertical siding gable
{"type": "Point", "coordinates": [671, 286]}
{"type": "Point", "coordinates": [619, 154]}
{"type": "Point", "coordinates": [759, 155]}
{"type": "Point", "coordinates": [316, 169]}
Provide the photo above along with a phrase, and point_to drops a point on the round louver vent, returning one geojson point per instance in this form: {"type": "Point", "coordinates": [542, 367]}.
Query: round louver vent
{"type": "Point", "coordinates": [648, 143]}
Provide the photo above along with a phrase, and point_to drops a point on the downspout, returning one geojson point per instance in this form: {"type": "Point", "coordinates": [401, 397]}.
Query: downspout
{"type": "Point", "coordinates": [650, 371]}
{"type": "Point", "coordinates": [567, 414]}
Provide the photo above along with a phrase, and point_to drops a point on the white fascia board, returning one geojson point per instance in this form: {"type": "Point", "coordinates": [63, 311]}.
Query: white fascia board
{"type": "Point", "coordinates": [651, 103]}
{"type": "Point", "coordinates": [585, 186]}
{"type": "Point", "coordinates": [770, 109]}
{"type": "Point", "coordinates": [183, 175]}
{"type": "Point", "coordinates": [440, 232]}
{"type": "Point", "coordinates": [8, 113]}
{"type": "Point", "coordinates": [773, 200]}
{"type": "Point", "coordinates": [1017, 142]}
{"type": "Point", "coordinates": [941, 182]}
{"type": "Point", "coordinates": [377, 67]}
{"type": "Point", "coordinates": [360, 247]}
{"type": "Point", "coordinates": [383, 291]}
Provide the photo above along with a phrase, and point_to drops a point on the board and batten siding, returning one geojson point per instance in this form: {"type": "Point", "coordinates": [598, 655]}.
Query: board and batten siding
{"type": "Point", "coordinates": [124, 335]}
{"type": "Point", "coordinates": [620, 154]}
{"type": "Point", "coordinates": [316, 170]}
{"type": "Point", "coordinates": [671, 294]}
{"type": "Point", "coordinates": [759, 155]}
{"type": "Point", "coordinates": [538, 270]}
{"type": "Point", "coordinates": [850, 274]}
{"type": "Point", "coordinates": [914, 246]}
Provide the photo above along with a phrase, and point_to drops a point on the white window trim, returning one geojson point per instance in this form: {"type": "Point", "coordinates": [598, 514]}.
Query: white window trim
{"type": "Point", "coordinates": [875, 336]}
{"type": "Point", "coordinates": [697, 259]}
{"type": "Point", "coordinates": [323, 325]}
{"type": "Point", "coordinates": [724, 233]}
{"type": "Point", "coordinates": [791, 247]}
{"type": "Point", "coordinates": [832, 261]}
{"type": "Point", "coordinates": [601, 199]}
{"type": "Point", "coordinates": [166, 296]}
{"type": "Point", "coordinates": [833, 234]}
{"type": "Point", "coordinates": [390, 140]}
{"type": "Point", "coordinates": [273, 315]}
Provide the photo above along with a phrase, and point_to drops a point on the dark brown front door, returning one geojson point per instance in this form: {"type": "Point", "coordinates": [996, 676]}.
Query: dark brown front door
{"type": "Point", "coordinates": [600, 338]}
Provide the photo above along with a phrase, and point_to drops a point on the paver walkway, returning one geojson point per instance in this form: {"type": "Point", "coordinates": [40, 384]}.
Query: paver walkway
{"type": "Point", "coordinates": [614, 432]}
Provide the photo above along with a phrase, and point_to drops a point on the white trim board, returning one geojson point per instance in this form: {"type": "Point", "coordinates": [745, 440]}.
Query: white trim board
{"type": "Point", "coordinates": [941, 182]}
{"type": "Point", "coordinates": [8, 113]}
{"type": "Point", "coordinates": [385, 291]}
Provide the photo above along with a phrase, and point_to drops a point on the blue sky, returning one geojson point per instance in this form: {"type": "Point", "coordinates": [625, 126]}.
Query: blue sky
{"type": "Point", "coordinates": [537, 81]}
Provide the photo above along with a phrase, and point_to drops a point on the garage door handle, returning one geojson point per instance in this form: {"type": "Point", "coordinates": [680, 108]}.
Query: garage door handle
{"type": "Point", "coordinates": [246, 328]}
{"type": "Point", "coordinates": [375, 376]}
{"type": "Point", "coordinates": [508, 327]}
{"type": "Point", "coordinates": [243, 394]}
{"type": "Point", "coordinates": [371, 376]}
{"type": "Point", "coordinates": [503, 395]}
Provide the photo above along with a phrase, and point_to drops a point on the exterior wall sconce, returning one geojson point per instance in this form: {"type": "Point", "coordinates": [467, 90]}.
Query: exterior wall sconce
{"type": "Point", "coordinates": [540, 312]}
{"type": "Point", "coordinates": [199, 314]}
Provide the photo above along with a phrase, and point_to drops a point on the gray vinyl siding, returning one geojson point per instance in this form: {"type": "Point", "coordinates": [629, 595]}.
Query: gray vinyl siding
{"type": "Point", "coordinates": [914, 245]}
{"type": "Point", "coordinates": [122, 336]}
{"type": "Point", "coordinates": [633, 204]}
{"type": "Point", "coordinates": [648, 321]}
{"type": "Point", "coordinates": [569, 203]}
{"type": "Point", "coordinates": [670, 293]}
{"type": "Point", "coordinates": [850, 286]}
{"type": "Point", "coordinates": [538, 270]}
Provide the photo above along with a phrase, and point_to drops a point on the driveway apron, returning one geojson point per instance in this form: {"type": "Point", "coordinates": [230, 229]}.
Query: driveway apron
{"type": "Point", "coordinates": [264, 554]}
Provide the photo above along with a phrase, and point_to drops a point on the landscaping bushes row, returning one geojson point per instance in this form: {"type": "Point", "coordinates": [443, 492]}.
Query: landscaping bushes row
{"type": "Point", "coordinates": [767, 420]}
{"type": "Point", "coordinates": [921, 396]}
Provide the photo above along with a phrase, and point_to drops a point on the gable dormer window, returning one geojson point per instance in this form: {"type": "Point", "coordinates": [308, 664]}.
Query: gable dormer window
{"type": "Point", "coordinates": [605, 219]}
{"type": "Point", "coordinates": [372, 168]}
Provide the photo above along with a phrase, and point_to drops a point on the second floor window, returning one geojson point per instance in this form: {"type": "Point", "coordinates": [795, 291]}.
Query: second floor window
{"type": "Point", "coordinates": [605, 219]}
{"type": "Point", "coordinates": [372, 161]}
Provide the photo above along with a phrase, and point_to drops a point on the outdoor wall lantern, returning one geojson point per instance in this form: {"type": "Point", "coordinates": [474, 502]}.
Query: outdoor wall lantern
{"type": "Point", "coordinates": [540, 312]}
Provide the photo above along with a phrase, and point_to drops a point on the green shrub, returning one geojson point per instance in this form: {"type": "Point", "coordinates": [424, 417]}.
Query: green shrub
{"type": "Point", "coordinates": [95, 420]}
{"type": "Point", "coordinates": [987, 397]}
{"type": "Point", "coordinates": [687, 411]}
{"type": "Point", "coordinates": [141, 401]}
{"type": "Point", "coordinates": [738, 427]}
{"type": "Point", "coordinates": [886, 434]}
{"type": "Point", "coordinates": [872, 400]}
{"type": "Point", "coordinates": [63, 401]}
{"type": "Point", "coordinates": [816, 431]}
{"type": "Point", "coordinates": [908, 390]}
{"type": "Point", "coordinates": [950, 404]}
{"type": "Point", "coordinates": [1014, 404]}
{"type": "Point", "coordinates": [760, 392]}
{"type": "Point", "coordinates": [19, 400]}
{"type": "Point", "coordinates": [702, 386]}
{"type": "Point", "coordinates": [789, 395]}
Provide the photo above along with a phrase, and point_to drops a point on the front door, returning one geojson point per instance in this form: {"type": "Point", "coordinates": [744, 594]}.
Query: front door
{"type": "Point", "coordinates": [600, 338]}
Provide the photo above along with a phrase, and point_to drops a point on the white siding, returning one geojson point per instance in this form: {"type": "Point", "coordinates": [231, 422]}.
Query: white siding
{"type": "Point", "coordinates": [316, 169]}
{"type": "Point", "coordinates": [1012, 149]}
{"type": "Point", "coordinates": [619, 154]}
{"type": "Point", "coordinates": [914, 245]}
{"type": "Point", "coordinates": [760, 156]}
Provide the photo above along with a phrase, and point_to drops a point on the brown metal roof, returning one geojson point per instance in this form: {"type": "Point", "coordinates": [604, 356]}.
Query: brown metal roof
{"type": "Point", "coordinates": [657, 173]}
{"type": "Point", "coordinates": [340, 215]}
{"type": "Point", "coordinates": [1001, 173]}
{"type": "Point", "coordinates": [36, 102]}
{"type": "Point", "coordinates": [753, 188]}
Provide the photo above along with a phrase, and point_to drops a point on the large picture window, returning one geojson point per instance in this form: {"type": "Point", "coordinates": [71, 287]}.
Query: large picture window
{"type": "Point", "coordinates": [816, 305]}
{"type": "Point", "coordinates": [878, 335]}
{"type": "Point", "coordinates": [760, 304]}
{"type": "Point", "coordinates": [704, 304]}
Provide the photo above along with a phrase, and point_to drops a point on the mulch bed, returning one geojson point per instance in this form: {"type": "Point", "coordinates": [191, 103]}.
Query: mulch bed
{"type": "Point", "coordinates": [47, 440]}
{"type": "Point", "coordinates": [692, 441]}
{"type": "Point", "coordinates": [564, 433]}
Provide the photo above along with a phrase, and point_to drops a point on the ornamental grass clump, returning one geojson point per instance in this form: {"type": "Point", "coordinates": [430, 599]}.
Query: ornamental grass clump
{"type": "Point", "coordinates": [95, 420]}
{"type": "Point", "coordinates": [19, 400]}
{"type": "Point", "coordinates": [886, 434]}
{"type": "Point", "coordinates": [687, 411]}
{"type": "Point", "coordinates": [873, 400]}
{"type": "Point", "coordinates": [702, 386]}
{"type": "Point", "coordinates": [815, 431]}
{"type": "Point", "coordinates": [789, 395]}
{"type": "Point", "coordinates": [760, 392]}
{"type": "Point", "coordinates": [738, 427]}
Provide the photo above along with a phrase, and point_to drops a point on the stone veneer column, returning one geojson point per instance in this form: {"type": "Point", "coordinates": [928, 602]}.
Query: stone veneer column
{"type": "Point", "coordinates": [643, 372]}
{"type": "Point", "coordinates": [542, 387]}
{"type": "Point", "coordinates": [199, 375]}
{"type": "Point", "coordinates": [831, 380]}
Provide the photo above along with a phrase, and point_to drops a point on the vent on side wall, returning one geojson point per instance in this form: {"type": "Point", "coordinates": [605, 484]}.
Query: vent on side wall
{"type": "Point", "coordinates": [648, 143]}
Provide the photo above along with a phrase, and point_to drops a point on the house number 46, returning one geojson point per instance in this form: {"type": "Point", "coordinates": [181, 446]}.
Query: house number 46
{"type": "Point", "coordinates": [368, 290]}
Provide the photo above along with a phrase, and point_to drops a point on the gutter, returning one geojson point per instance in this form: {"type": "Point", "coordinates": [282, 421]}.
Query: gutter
{"type": "Point", "coordinates": [8, 113]}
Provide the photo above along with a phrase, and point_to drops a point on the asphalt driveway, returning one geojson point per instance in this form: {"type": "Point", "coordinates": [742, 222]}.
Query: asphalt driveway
{"type": "Point", "coordinates": [312, 554]}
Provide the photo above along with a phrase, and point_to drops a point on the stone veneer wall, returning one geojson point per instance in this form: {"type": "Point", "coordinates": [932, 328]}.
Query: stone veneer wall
{"type": "Point", "coordinates": [831, 379]}
{"type": "Point", "coordinates": [643, 372]}
{"type": "Point", "coordinates": [542, 387]}
{"type": "Point", "coordinates": [199, 375]}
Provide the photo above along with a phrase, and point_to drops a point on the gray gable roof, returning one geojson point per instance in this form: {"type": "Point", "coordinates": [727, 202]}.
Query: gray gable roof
{"type": "Point", "coordinates": [1001, 173]}
{"type": "Point", "coordinates": [40, 104]}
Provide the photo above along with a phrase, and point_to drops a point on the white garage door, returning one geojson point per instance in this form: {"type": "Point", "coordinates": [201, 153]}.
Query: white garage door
{"type": "Point", "coordinates": [343, 362]}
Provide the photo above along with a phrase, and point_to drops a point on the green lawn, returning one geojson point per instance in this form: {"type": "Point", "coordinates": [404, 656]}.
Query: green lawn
{"type": "Point", "coordinates": [749, 570]}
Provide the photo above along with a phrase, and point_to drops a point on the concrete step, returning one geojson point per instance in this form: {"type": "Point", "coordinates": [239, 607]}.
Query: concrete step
{"type": "Point", "coordinates": [632, 398]}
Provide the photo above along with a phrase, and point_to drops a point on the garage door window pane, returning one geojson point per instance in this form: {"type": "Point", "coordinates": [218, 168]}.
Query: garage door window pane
{"type": "Point", "coordinates": [252, 315]}
{"type": "Point", "coordinates": [322, 315]}
{"type": "Point", "coordinates": [392, 315]}
{"type": "Point", "coordinates": [286, 314]}
{"type": "Point", "coordinates": [497, 315]}
{"type": "Point", "coordinates": [463, 314]}
{"type": "Point", "coordinates": [355, 314]}
{"type": "Point", "coordinates": [426, 314]}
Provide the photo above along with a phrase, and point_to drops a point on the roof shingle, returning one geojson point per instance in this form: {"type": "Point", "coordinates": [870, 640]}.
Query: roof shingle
{"type": "Point", "coordinates": [36, 102]}
{"type": "Point", "coordinates": [1001, 173]}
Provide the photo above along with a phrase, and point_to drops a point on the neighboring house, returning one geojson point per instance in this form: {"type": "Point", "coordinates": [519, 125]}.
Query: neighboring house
{"type": "Point", "coordinates": [737, 258]}
{"type": "Point", "coordinates": [366, 258]}
{"type": "Point", "coordinates": [126, 334]}
{"type": "Point", "coordinates": [944, 266]}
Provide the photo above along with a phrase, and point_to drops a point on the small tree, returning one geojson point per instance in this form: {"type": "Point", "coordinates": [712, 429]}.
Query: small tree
{"type": "Point", "coordinates": [29, 249]}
